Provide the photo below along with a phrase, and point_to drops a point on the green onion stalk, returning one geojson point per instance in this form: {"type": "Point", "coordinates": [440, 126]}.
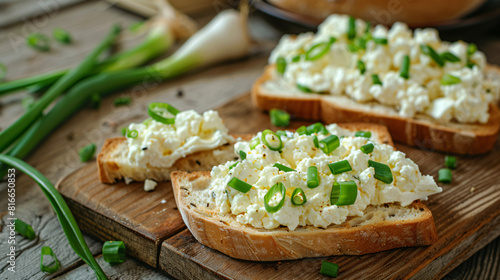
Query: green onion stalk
{"type": "Point", "coordinates": [224, 38]}
{"type": "Point", "coordinates": [68, 222]}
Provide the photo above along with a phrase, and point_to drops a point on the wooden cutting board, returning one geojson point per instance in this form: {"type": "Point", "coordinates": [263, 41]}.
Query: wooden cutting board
{"type": "Point", "coordinates": [466, 213]}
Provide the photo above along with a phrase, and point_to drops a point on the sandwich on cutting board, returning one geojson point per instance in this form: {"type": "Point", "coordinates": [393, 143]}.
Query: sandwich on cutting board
{"type": "Point", "coordinates": [320, 191]}
{"type": "Point", "coordinates": [428, 92]}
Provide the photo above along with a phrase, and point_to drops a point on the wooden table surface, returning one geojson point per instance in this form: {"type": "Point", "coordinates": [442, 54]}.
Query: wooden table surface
{"type": "Point", "coordinates": [88, 22]}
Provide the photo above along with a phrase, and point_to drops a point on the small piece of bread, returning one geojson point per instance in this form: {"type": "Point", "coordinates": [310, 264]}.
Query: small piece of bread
{"type": "Point", "coordinates": [113, 165]}
{"type": "Point", "coordinates": [380, 228]}
{"type": "Point", "coordinates": [422, 131]}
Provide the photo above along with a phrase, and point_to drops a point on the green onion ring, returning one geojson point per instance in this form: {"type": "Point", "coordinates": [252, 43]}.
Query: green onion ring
{"type": "Point", "coordinates": [278, 187]}
{"type": "Point", "coordinates": [298, 197]}
{"type": "Point", "coordinates": [113, 251]}
{"type": "Point", "coordinates": [329, 144]}
{"type": "Point", "coordinates": [52, 267]}
{"type": "Point", "coordinates": [153, 112]}
{"type": "Point", "coordinates": [382, 171]}
{"type": "Point", "coordinates": [132, 133]}
{"type": "Point", "coordinates": [368, 148]}
{"type": "Point", "coordinates": [38, 41]}
{"type": "Point", "coordinates": [444, 175]}
{"type": "Point", "coordinates": [344, 193]}
{"type": "Point", "coordinates": [254, 143]}
{"type": "Point", "coordinates": [450, 162]}
{"type": "Point", "coordinates": [239, 185]}
{"type": "Point", "coordinates": [272, 140]}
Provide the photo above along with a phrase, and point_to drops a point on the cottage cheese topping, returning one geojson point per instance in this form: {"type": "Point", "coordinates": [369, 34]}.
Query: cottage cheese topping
{"type": "Point", "coordinates": [299, 153]}
{"type": "Point", "coordinates": [161, 145]}
{"type": "Point", "coordinates": [336, 72]}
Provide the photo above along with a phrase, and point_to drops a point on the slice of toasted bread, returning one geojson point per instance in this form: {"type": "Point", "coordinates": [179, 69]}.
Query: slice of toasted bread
{"type": "Point", "coordinates": [113, 165]}
{"type": "Point", "coordinates": [380, 228]}
{"type": "Point", "coordinates": [422, 131]}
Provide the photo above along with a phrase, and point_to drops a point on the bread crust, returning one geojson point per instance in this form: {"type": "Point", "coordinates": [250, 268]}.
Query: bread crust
{"type": "Point", "coordinates": [414, 13]}
{"type": "Point", "coordinates": [249, 243]}
{"type": "Point", "coordinates": [422, 131]}
{"type": "Point", "coordinates": [110, 171]}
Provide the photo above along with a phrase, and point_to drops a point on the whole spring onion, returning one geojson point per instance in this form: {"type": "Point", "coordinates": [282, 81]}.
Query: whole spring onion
{"type": "Point", "coordinates": [113, 252]}
{"type": "Point", "coordinates": [450, 162]}
{"type": "Point", "coordinates": [224, 38]}
{"type": "Point", "coordinates": [428, 50]}
{"type": "Point", "coordinates": [9, 135]}
{"type": "Point", "coordinates": [298, 197]}
{"type": "Point", "coordinates": [343, 193]}
{"type": "Point", "coordinates": [61, 35]}
{"type": "Point", "coordinates": [405, 68]}
{"type": "Point", "coordinates": [54, 265]}
{"type": "Point", "coordinates": [382, 171]}
{"type": "Point", "coordinates": [239, 185]}
{"type": "Point", "coordinates": [329, 144]}
{"type": "Point", "coordinates": [243, 155]}
{"type": "Point", "coordinates": [276, 188]}
{"type": "Point", "coordinates": [157, 110]}
{"type": "Point", "coordinates": [367, 148]}
{"type": "Point", "coordinates": [340, 167]}
{"type": "Point", "coordinates": [329, 269]}
{"type": "Point", "coordinates": [351, 29]}
{"type": "Point", "coordinates": [254, 142]}
{"type": "Point", "coordinates": [87, 153]}
{"type": "Point", "coordinates": [376, 80]}
{"type": "Point", "coordinates": [312, 177]}
{"type": "Point", "coordinates": [444, 175]}
{"type": "Point", "coordinates": [449, 79]}
{"type": "Point", "coordinates": [38, 41]}
{"type": "Point", "coordinates": [279, 118]}
{"type": "Point", "coordinates": [366, 134]}
{"type": "Point", "coordinates": [283, 168]}
{"type": "Point", "coordinates": [281, 65]}
{"type": "Point", "coordinates": [62, 211]}
{"type": "Point", "coordinates": [271, 140]}
{"type": "Point", "coordinates": [24, 229]}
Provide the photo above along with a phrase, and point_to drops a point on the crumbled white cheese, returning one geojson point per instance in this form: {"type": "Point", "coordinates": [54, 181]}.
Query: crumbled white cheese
{"type": "Point", "coordinates": [336, 72]}
{"type": "Point", "coordinates": [161, 145]}
{"type": "Point", "coordinates": [149, 185]}
{"type": "Point", "coordinates": [299, 152]}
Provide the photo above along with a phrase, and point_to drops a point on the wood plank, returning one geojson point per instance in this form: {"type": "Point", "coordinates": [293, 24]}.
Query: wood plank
{"type": "Point", "coordinates": [466, 219]}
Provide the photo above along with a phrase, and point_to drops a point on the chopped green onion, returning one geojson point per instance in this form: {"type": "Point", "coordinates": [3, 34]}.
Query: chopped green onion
{"type": "Point", "coordinates": [87, 153]}
{"type": "Point", "coordinates": [298, 197]}
{"type": "Point", "coordinates": [352, 47]}
{"type": "Point", "coordinates": [95, 101]}
{"type": "Point", "coordinates": [367, 148]}
{"type": "Point", "coordinates": [316, 128]}
{"type": "Point", "coordinates": [28, 102]}
{"type": "Point", "coordinates": [376, 79]}
{"type": "Point", "coordinates": [312, 177]}
{"type": "Point", "coordinates": [296, 58]}
{"type": "Point", "coordinates": [279, 118]}
{"type": "Point", "coordinates": [361, 43]}
{"type": "Point", "coordinates": [113, 251]}
{"type": "Point", "coordinates": [243, 155]}
{"type": "Point", "coordinates": [282, 167]}
{"type": "Point", "coordinates": [444, 175]}
{"type": "Point", "coordinates": [319, 49]}
{"type": "Point", "coordinates": [132, 133]}
{"type": "Point", "coordinates": [343, 193]}
{"type": "Point", "coordinates": [120, 101]}
{"type": "Point", "coordinates": [450, 162]}
{"type": "Point", "coordinates": [302, 130]}
{"type": "Point", "coordinates": [54, 265]}
{"type": "Point", "coordinates": [277, 188]}
{"type": "Point", "coordinates": [272, 140]}
{"type": "Point", "coordinates": [329, 144]}
{"type": "Point", "coordinates": [304, 88]}
{"type": "Point", "coordinates": [24, 229]}
{"type": "Point", "coordinates": [281, 65]}
{"type": "Point", "coordinates": [470, 64]}
{"type": "Point", "coordinates": [38, 41]}
{"type": "Point", "coordinates": [239, 185]}
{"type": "Point", "coordinates": [281, 133]}
{"type": "Point", "coordinates": [405, 68]}
{"type": "Point", "coordinates": [61, 35]}
{"type": "Point", "coordinates": [340, 167]}
{"type": "Point", "coordinates": [380, 41]}
{"type": "Point", "coordinates": [3, 71]}
{"type": "Point", "coordinates": [448, 80]}
{"type": "Point", "coordinates": [428, 50]}
{"type": "Point", "coordinates": [233, 165]}
{"type": "Point", "coordinates": [155, 111]}
{"type": "Point", "coordinates": [315, 141]}
{"type": "Point", "coordinates": [471, 49]}
{"type": "Point", "coordinates": [329, 269]}
{"type": "Point", "coordinates": [382, 171]}
{"type": "Point", "coordinates": [366, 134]}
{"type": "Point", "coordinates": [254, 142]}
{"type": "Point", "coordinates": [124, 131]}
{"type": "Point", "coordinates": [367, 27]}
{"type": "Point", "coordinates": [351, 31]}
{"type": "Point", "coordinates": [448, 56]}
{"type": "Point", "coordinates": [361, 66]}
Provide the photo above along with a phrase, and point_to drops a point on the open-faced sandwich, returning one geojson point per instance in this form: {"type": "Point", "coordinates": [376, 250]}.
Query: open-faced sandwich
{"type": "Point", "coordinates": [169, 140]}
{"type": "Point", "coordinates": [428, 92]}
{"type": "Point", "coordinates": [319, 191]}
